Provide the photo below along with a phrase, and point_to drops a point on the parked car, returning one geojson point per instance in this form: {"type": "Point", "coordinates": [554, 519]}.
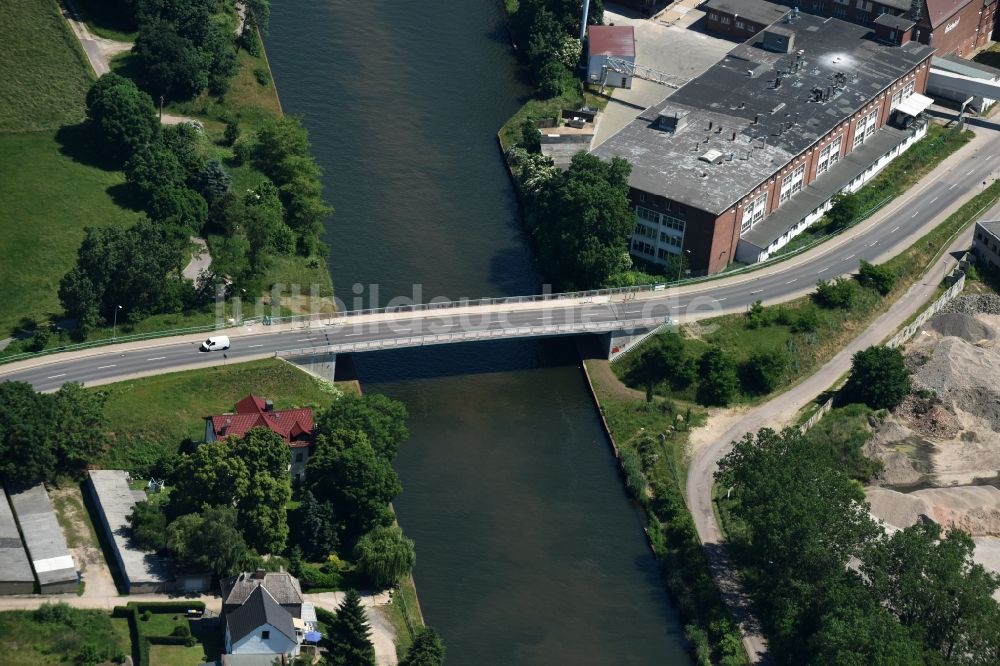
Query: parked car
{"type": "Point", "coordinates": [215, 343]}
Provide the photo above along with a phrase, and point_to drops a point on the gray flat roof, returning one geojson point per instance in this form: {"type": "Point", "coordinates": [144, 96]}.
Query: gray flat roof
{"type": "Point", "coordinates": [818, 192]}
{"type": "Point", "coordinates": [965, 67]}
{"type": "Point", "coordinates": [50, 558]}
{"type": "Point", "coordinates": [758, 11]}
{"type": "Point", "coordinates": [14, 565]}
{"type": "Point", "coordinates": [725, 96]}
{"type": "Point", "coordinates": [991, 226]}
{"type": "Point", "coordinates": [116, 500]}
{"type": "Point", "coordinates": [896, 22]}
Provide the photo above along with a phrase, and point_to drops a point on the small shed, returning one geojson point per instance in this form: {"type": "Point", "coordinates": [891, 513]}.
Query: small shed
{"type": "Point", "coordinates": [610, 55]}
{"type": "Point", "coordinates": [15, 570]}
{"type": "Point", "coordinates": [50, 558]}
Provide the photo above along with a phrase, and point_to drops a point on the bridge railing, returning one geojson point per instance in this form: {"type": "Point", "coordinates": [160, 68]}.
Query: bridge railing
{"type": "Point", "coordinates": [476, 335]}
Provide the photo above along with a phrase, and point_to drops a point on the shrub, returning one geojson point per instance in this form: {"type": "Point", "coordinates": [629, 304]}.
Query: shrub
{"type": "Point", "coordinates": [261, 75]}
{"type": "Point", "coordinates": [879, 377]}
{"type": "Point", "coordinates": [879, 278]}
{"type": "Point", "coordinates": [232, 132]}
{"type": "Point", "coordinates": [765, 370]}
{"type": "Point", "coordinates": [719, 382]}
{"type": "Point", "coordinates": [242, 151]}
{"type": "Point", "coordinates": [838, 293]}
{"type": "Point", "coordinates": [635, 480]}
{"type": "Point", "coordinates": [807, 321]}
{"type": "Point", "coordinates": [181, 630]}
{"type": "Point", "coordinates": [756, 316]}
{"type": "Point", "coordinates": [59, 613]}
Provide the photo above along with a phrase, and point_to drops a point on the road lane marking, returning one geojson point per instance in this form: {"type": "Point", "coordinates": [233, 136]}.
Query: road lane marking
{"type": "Point", "coordinates": [157, 358]}
{"type": "Point", "coordinates": [873, 244]}
{"type": "Point", "coordinates": [913, 216]}
{"type": "Point", "coordinates": [791, 281]}
{"type": "Point", "coordinates": [756, 292]}
{"type": "Point", "coordinates": [105, 367]}
{"type": "Point", "coordinates": [953, 186]}
{"type": "Point", "coordinates": [252, 346]}
{"type": "Point", "coordinates": [404, 330]}
{"type": "Point", "coordinates": [822, 270]}
{"type": "Point", "coordinates": [969, 172]}
{"type": "Point", "coordinates": [305, 339]}
{"type": "Point", "coordinates": [894, 229]}
{"type": "Point", "coordinates": [720, 299]}
{"type": "Point", "coordinates": [934, 199]}
{"type": "Point", "coordinates": [55, 376]}
{"type": "Point", "coordinates": [547, 317]}
{"type": "Point", "coordinates": [351, 335]}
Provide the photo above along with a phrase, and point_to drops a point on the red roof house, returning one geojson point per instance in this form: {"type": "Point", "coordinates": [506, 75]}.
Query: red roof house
{"type": "Point", "coordinates": [294, 425]}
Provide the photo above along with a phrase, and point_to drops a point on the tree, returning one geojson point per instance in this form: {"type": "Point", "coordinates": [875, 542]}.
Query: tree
{"type": "Point", "coordinates": [213, 182]}
{"type": "Point", "coordinates": [26, 457]}
{"type": "Point", "coordinates": [182, 140]}
{"type": "Point", "coordinates": [258, 14]}
{"type": "Point", "coordinates": [263, 451]}
{"type": "Point", "coordinates": [149, 525]}
{"type": "Point", "coordinates": [765, 369]}
{"type": "Point", "coordinates": [137, 268]}
{"type": "Point", "coordinates": [718, 381]}
{"type": "Point", "coordinates": [171, 65]}
{"type": "Point", "coordinates": [879, 377]}
{"type": "Point", "coordinates": [208, 539]}
{"type": "Point", "coordinates": [385, 555]}
{"type": "Point", "coordinates": [930, 582]}
{"type": "Point", "coordinates": [382, 419]}
{"type": "Point", "coordinates": [232, 132]}
{"type": "Point", "coordinates": [77, 430]}
{"type": "Point", "coordinates": [664, 360]}
{"type": "Point", "coordinates": [154, 167]}
{"type": "Point", "coordinates": [349, 634]}
{"type": "Point", "coordinates": [262, 516]}
{"type": "Point", "coordinates": [178, 206]}
{"type": "Point", "coordinates": [359, 484]}
{"type": "Point", "coordinates": [316, 528]}
{"type": "Point", "coordinates": [427, 649]}
{"type": "Point", "coordinates": [846, 209]}
{"type": "Point", "coordinates": [123, 116]}
{"type": "Point", "coordinates": [879, 278]}
{"type": "Point", "coordinates": [211, 476]}
{"type": "Point", "coordinates": [220, 54]}
{"type": "Point", "coordinates": [582, 223]}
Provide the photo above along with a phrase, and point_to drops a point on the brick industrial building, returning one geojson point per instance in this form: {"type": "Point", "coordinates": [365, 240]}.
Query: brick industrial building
{"type": "Point", "coordinates": [740, 159]}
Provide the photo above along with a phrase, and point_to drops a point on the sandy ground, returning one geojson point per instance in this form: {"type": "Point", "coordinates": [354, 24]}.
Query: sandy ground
{"type": "Point", "coordinates": [86, 553]}
{"type": "Point", "coordinates": [383, 634]}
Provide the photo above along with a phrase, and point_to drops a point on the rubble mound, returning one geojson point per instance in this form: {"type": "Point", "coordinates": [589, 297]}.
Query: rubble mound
{"type": "Point", "coordinates": [964, 375]}
{"type": "Point", "coordinates": [928, 417]}
{"type": "Point", "coordinates": [961, 325]}
{"type": "Point", "coordinates": [974, 303]}
{"type": "Point", "coordinates": [973, 509]}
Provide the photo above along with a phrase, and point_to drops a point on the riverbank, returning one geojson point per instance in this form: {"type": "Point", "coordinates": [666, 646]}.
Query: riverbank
{"type": "Point", "coordinates": [650, 439]}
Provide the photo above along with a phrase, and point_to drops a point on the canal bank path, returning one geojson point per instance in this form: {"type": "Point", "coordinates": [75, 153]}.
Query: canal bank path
{"type": "Point", "coordinates": [778, 412]}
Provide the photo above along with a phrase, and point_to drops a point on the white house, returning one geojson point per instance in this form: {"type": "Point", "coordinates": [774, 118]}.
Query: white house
{"type": "Point", "coordinates": [261, 626]}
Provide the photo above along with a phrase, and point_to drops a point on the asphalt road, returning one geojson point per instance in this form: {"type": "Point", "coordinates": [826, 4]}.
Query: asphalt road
{"type": "Point", "coordinates": [889, 231]}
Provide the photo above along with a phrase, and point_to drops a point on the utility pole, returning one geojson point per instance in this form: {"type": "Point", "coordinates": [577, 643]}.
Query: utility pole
{"type": "Point", "coordinates": [114, 326]}
{"type": "Point", "coordinates": [583, 20]}
{"type": "Point", "coordinates": [161, 109]}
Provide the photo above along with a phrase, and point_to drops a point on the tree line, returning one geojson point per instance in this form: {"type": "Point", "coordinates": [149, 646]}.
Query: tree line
{"type": "Point", "coordinates": [830, 586]}
{"type": "Point", "coordinates": [546, 33]}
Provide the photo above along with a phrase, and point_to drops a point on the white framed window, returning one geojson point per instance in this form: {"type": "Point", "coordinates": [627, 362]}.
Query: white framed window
{"type": "Point", "coordinates": [647, 214]}
{"type": "Point", "coordinates": [792, 183]}
{"type": "Point", "coordinates": [865, 128]}
{"type": "Point", "coordinates": [902, 93]}
{"type": "Point", "coordinates": [830, 155]}
{"type": "Point", "coordinates": [674, 223]}
{"type": "Point", "coordinates": [725, 20]}
{"type": "Point", "coordinates": [740, 24]}
{"type": "Point", "coordinates": [753, 213]}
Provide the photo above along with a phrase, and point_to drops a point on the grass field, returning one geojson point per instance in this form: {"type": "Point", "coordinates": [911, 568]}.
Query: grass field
{"type": "Point", "coordinates": [150, 417]}
{"type": "Point", "coordinates": [106, 20]}
{"type": "Point", "coordinates": [48, 198]}
{"type": "Point", "coordinates": [44, 71]}
{"type": "Point", "coordinates": [404, 615]}
{"type": "Point", "coordinates": [27, 641]}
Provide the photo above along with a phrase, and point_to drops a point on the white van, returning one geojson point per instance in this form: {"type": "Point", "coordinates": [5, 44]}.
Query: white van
{"type": "Point", "coordinates": [215, 343]}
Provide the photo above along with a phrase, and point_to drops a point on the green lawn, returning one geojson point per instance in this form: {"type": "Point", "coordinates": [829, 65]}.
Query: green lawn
{"type": "Point", "coordinates": [48, 197]}
{"type": "Point", "coordinates": [44, 71]}
{"type": "Point", "coordinates": [105, 19]}
{"type": "Point", "coordinates": [26, 641]}
{"type": "Point", "coordinates": [404, 615]}
{"type": "Point", "coordinates": [176, 655]}
{"type": "Point", "coordinates": [150, 417]}
{"type": "Point", "coordinates": [163, 624]}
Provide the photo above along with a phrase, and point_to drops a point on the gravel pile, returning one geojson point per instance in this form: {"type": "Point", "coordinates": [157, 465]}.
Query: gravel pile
{"type": "Point", "coordinates": [965, 376]}
{"type": "Point", "coordinates": [974, 303]}
{"type": "Point", "coordinates": [961, 325]}
{"type": "Point", "coordinates": [974, 509]}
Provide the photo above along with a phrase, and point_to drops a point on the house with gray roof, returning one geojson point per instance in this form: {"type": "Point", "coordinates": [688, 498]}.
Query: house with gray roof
{"type": "Point", "coordinates": [260, 625]}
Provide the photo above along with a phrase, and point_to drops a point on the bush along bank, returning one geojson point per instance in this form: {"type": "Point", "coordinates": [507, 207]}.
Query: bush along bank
{"type": "Point", "coordinates": [649, 438]}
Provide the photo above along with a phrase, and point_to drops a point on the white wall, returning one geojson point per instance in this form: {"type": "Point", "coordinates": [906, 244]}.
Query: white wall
{"type": "Point", "coordinates": [252, 643]}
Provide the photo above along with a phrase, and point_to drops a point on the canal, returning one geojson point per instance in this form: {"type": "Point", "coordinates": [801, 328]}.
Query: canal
{"type": "Point", "coordinates": [528, 551]}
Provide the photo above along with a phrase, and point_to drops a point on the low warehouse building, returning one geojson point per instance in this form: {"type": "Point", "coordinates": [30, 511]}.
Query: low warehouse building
{"type": "Point", "coordinates": [610, 50]}
{"type": "Point", "coordinates": [141, 571]}
{"type": "Point", "coordinates": [50, 558]}
{"type": "Point", "coordinates": [15, 570]}
{"type": "Point", "coordinates": [740, 159]}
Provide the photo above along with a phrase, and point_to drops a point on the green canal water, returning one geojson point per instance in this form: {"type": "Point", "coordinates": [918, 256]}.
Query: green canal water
{"type": "Point", "coordinates": [528, 549]}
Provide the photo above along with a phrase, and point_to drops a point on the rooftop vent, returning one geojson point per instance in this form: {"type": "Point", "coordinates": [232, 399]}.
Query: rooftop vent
{"type": "Point", "coordinates": [711, 156]}
{"type": "Point", "coordinates": [779, 40]}
{"type": "Point", "coordinates": [672, 121]}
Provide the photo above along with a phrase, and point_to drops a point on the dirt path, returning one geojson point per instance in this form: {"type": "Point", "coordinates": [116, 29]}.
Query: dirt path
{"type": "Point", "coordinates": [383, 634]}
{"type": "Point", "coordinates": [99, 50]}
{"type": "Point", "coordinates": [201, 259]}
{"type": "Point", "coordinates": [779, 411]}
{"type": "Point", "coordinates": [82, 542]}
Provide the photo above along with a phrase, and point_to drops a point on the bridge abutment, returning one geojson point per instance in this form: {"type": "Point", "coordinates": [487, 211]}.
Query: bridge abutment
{"type": "Point", "coordinates": [322, 366]}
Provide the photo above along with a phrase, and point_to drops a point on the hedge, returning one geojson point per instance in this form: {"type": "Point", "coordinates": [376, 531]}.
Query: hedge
{"type": "Point", "coordinates": [140, 642]}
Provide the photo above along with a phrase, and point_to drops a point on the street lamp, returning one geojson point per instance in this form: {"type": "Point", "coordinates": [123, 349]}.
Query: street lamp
{"type": "Point", "coordinates": [114, 326]}
{"type": "Point", "coordinates": [680, 264]}
{"type": "Point", "coordinates": [161, 108]}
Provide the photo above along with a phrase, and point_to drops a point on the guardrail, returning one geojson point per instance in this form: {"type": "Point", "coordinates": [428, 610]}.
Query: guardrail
{"type": "Point", "coordinates": [473, 336]}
